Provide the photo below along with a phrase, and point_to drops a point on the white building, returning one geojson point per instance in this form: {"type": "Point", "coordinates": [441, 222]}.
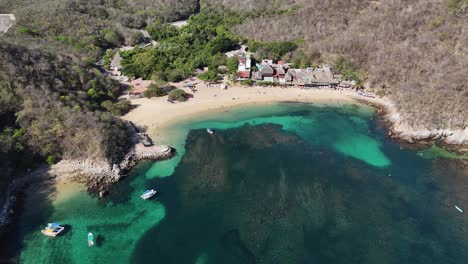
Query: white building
{"type": "Point", "coordinates": [244, 67]}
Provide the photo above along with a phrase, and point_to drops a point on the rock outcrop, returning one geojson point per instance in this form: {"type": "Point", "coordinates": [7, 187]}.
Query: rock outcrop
{"type": "Point", "coordinates": [98, 174]}
{"type": "Point", "coordinates": [400, 129]}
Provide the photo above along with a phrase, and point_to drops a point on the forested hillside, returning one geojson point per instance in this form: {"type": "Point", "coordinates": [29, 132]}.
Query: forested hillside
{"type": "Point", "coordinates": [416, 52]}
{"type": "Point", "coordinates": [54, 103]}
{"type": "Point", "coordinates": [62, 109]}
{"type": "Point", "coordinates": [84, 28]}
{"type": "Point", "coordinates": [202, 43]}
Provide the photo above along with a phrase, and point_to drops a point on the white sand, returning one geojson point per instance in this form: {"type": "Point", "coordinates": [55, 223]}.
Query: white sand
{"type": "Point", "coordinates": [156, 113]}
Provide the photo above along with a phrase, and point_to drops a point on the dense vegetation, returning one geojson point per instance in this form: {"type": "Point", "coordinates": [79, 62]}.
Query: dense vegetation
{"type": "Point", "coordinates": [85, 28]}
{"type": "Point", "coordinates": [180, 51]}
{"type": "Point", "coordinates": [53, 103]}
{"type": "Point", "coordinates": [62, 109]}
{"type": "Point", "coordinates": [415, 52]}
{"type": "Point", "coordinates": [349, 71]}
{"type": "Point", "coordinates": [271, 50]}
{"type": "Point", "coordinates": [155, 90]}
{"type": "Point", "coordinates": [177, 95]}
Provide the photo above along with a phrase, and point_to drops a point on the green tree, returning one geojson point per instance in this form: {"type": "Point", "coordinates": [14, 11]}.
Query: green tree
{"type": "Point", "coordinates": [159, 31]}
{"type": "Point", "coordinates": [28, 30]}
{"type": "Point", "coordinates": [349, 71]}
{"type": "Point", "coordinates": [232, 64]}
{"type": "Point", "coordinates": [107, 58]}
{"type": "Point", "coordinates": [210, 76]}
{"type": "Point", "coordinates": [178, 95]}
{"type": "Point", "coordinates": [180, 51]}
{"type": "Point", "coordinates": [155, 91]}
{"type": "Point", "coordinates": [246, 82]}
{"type": "Point", "coordinates": [92, 92]}
{"type": "Point", "coordinates": [117, 108]}
{"type": "Point", "coordinates": [272, 50]}
{"type": "Point", "coordinates": [113, 38]}
{"type": "Point", "coordinates": [176, 75]}
{"type": "Point", "coordinates": [51, 159]}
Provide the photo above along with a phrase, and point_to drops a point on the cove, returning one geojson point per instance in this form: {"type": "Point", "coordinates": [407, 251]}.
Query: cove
{"type": "Point", "coordinates": [280, 183]}
{"type": "Point", "coordinates": [295, 117]}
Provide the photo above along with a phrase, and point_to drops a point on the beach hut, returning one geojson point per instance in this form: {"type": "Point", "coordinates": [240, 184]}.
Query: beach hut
{"type": "Point", "coordinates": [267, 72]}
{"type": "Point", "coordinates": [257, 76]}
{"type": "Point", "coordinates": [243, 75]}
{"type": "Point", "coordinates": [281, 74]}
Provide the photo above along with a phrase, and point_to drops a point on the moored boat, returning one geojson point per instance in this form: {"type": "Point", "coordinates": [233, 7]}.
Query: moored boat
{"type": "Point", "coordinates": [53, 229]}
{"type": "Point", "coordinates": [148, 194]}
{"type": "Point", "coordinates": [210, 131]}
{"type": "Point", "coordinates": [459, 209]}
{"type": "Point", "coordinates": [90, 239]}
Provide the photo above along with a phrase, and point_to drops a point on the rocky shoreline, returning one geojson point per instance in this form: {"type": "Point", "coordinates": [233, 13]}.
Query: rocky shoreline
{"type": "Point", "coordinates": [398, 129]}
{"type": "Point", "coordinates": [12, 195]}
{"type": "Point", "coordinates": [99, 175]}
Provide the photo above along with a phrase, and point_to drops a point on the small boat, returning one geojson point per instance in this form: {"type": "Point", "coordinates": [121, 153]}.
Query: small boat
{"type": "Point", "coordinates": [459, 209]}
{"type": "Point", "coordinates": [53, 229]}
{"type": "Point", "coordinates": [90, 239]}
{"type": "Point", "coordinates": [148, 194]}
{"type": "Point", "coordinates": [210, 131]}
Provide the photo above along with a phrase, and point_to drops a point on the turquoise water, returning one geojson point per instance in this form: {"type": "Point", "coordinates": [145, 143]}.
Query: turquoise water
{"type": "Point", "coordinates": [357, 143]}
{"type": "Point", "coordinates": [281, 183]}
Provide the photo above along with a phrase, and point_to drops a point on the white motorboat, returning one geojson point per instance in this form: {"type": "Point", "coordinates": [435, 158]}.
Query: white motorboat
{"type": "Point", "coordinates": [90, 239]}
{"type": "Point", "coordinates": [210, 131]}
{"type": "Point", "coordinates": [148, 194]}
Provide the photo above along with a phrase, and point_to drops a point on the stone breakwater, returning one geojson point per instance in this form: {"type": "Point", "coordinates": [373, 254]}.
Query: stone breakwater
{"type": "Point", "coordinates": [401, 130]}
{"type": "Point", "coordinates": [98, 175]}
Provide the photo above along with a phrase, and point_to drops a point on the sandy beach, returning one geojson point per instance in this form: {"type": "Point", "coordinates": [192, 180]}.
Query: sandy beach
{"type": "Point", "coordinates": [155, 114]}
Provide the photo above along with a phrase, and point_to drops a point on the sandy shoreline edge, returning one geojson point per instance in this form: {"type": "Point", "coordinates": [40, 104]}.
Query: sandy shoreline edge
{"type": "Point", "coordinates": [156, 114]}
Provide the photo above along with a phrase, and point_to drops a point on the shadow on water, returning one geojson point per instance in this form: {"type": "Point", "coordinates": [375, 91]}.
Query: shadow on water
{"type": "Point", "coordinates": [100, 239]}
{"type": "Point", "coordinates": [32, 214]}
{"type": "Point", "coordinates": [68, 229]}
{"type": "Point", "coordinates": [121, 193]}
{"type": "Point", "coordinates": [257, 193]}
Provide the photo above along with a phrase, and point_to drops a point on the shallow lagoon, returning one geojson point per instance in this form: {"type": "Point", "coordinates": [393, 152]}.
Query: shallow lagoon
{"type": "Point", "coordinates": [280, 183]}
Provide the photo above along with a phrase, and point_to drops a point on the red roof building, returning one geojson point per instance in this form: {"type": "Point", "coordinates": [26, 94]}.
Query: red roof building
{"type": "Point", "coordinates": [243, 74]}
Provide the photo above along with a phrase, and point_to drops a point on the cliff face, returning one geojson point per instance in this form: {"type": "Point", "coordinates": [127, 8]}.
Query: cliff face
{"type": "Point", "coordinates": [413, 52]}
